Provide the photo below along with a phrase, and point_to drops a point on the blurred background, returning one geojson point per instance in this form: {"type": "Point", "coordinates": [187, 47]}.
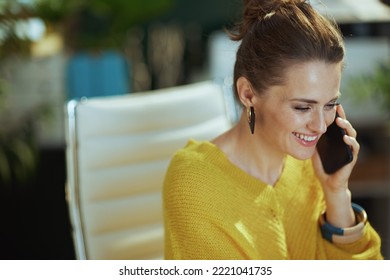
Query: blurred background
{"type": "Point", "coordinates": [52, 51]}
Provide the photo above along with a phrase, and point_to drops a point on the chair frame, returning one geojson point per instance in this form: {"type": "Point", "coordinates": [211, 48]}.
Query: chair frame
{"type": "Point", "coordinates": [73, 180]}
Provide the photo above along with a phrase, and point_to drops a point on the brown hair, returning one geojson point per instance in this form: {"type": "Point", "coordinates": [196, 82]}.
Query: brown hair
{"type": "Point", "coordinates": [276, 34]}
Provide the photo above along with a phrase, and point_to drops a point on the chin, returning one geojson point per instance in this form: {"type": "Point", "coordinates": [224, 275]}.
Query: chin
{"type": "Point", "coordinates": [303, 155]}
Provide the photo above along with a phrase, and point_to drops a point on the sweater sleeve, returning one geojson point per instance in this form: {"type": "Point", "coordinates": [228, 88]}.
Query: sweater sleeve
{"type": "Point", "coordinates": [192, 229]}
{"type": "Point", "coordinates": [197, 240]}
{"type": "Point", "coordinates": [366, 248]}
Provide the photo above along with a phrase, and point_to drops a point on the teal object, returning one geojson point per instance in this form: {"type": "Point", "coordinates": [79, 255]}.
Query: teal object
{"type": "Point", "coordinates": [89, 75]}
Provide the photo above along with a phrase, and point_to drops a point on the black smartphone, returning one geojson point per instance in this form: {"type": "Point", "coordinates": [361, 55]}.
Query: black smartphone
{"type": "Point", "coordinates": [333, 151]}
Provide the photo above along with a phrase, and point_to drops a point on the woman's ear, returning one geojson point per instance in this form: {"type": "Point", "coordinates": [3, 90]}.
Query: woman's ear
{"type": "Point", "coordinates": [245, 92]}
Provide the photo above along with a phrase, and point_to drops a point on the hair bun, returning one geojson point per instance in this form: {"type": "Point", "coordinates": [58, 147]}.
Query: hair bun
{"type": "Point", "coordinates": [260, 8]}
{"type": "Point", "coordinates": [257, 10]}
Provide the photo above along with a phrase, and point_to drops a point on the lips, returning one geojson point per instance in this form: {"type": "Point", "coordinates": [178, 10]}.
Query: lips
{"type": "Point", "coordinates": [306, 140]}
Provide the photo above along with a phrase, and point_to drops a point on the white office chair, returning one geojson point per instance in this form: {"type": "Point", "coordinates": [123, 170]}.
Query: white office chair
{"type": "Point", "coordinates": [118, 150]}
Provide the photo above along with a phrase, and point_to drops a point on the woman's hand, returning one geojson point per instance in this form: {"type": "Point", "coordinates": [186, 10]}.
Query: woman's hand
{"type": "Point", "coordinates": [335, 186]}
{"type": "Point", "coordinates": [338, 181]}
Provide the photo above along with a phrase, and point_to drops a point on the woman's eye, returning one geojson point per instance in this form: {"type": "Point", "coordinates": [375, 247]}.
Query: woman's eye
{"type": "Point", "coordinates": [330, 106]}
{"type": "Point", "coordinates": [302, 108]}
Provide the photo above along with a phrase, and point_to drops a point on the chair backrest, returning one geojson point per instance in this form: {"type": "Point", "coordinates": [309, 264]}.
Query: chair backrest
{"type": "Point", "coordinates": [118, 150]}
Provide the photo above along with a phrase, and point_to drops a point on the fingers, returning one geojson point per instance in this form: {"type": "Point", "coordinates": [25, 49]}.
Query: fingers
{"type": "Point", "coordinates": [353, 143]}
{"type": "Point", "coordinates": [351, 133]}
{"type": "Point", "coordinates": [347, 126]}
{"type": "Point", "coordinates": [341, 112]}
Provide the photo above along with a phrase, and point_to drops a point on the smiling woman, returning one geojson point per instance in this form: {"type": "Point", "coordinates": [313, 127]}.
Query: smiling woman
{"type": "Point", "coordinates": [260, 192]}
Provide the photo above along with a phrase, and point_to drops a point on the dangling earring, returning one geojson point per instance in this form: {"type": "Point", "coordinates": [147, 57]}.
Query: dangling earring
{"type": "Point", "coordinates": [251, 118]}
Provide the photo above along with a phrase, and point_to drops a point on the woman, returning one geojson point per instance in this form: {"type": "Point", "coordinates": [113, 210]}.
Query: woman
{"type": "Point", "coordinates": [259, 190]}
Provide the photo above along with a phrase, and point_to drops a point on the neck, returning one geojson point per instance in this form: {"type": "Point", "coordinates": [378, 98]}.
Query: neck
{"type": "Point", "coordinates": [251, 153]}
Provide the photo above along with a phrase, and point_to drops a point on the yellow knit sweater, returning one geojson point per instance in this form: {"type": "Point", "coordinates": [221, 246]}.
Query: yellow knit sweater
{"type": "Point", "coordinates": [214, 210]}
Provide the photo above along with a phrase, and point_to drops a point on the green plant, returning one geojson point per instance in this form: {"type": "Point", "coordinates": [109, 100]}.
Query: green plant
{"type": "Point", "coordinates": [98, 24]}
{"type": "Point", "coordinates": [11, 13]}
{"type": "Point", "coordinates": [18, 147]}
{"type": "Point", "coordinates": [85, 24]}
{"type": "Point", "coordinates": [375, 84]}
{"type": "Point", "coordinates": [18, 154]}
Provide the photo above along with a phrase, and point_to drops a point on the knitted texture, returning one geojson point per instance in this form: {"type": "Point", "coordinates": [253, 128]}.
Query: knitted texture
{"type": "Point", "coordinates": [214, 210]}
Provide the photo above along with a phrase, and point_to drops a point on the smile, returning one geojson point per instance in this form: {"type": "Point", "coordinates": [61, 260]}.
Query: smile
{"type": "Point", "coordinates": [306, 138]}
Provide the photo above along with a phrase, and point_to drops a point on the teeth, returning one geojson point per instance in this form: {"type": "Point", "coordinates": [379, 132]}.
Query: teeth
{"type": "Point", "coordinates": [305, 137]}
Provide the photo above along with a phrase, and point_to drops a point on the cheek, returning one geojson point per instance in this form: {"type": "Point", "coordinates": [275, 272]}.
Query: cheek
{"type": "Point", "coordinates": [292, 121]}
{"type": "Point", "coordinates": [330, 117]}
{"type": "Point", "coordinates": [287, 123]}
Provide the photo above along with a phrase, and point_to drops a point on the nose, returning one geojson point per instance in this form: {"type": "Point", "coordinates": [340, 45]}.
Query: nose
{"type": "Point", "coordinates": [318, 123]}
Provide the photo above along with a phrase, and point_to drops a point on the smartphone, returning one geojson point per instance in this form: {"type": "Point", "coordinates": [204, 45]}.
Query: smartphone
{"type": "Point", "coordinates": [333, 151]}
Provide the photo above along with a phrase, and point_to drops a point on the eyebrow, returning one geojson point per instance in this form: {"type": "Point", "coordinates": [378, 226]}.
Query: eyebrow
{"type": "Point", "coordinates": [311, 101]}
